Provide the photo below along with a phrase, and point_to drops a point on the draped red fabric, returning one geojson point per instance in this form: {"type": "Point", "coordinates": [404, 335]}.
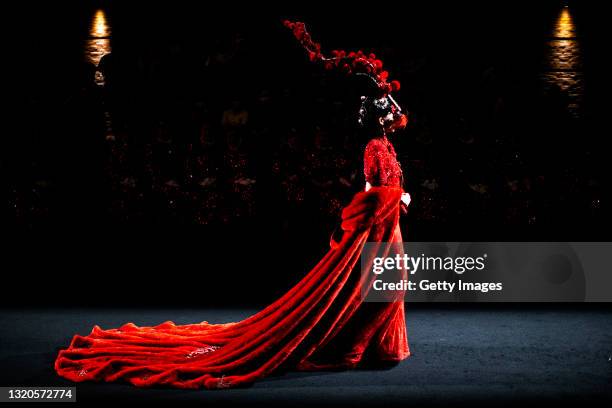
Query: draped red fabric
{"type": "Point", "coordinates": [321, 323]}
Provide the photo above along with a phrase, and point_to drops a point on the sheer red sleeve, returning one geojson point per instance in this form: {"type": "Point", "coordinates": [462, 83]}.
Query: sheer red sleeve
{"type": "Point", "coordinates": [374, 163]}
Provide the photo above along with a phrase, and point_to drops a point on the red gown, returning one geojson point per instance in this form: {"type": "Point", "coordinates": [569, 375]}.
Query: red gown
{"type": "Point", "coordinates": [321, 323]}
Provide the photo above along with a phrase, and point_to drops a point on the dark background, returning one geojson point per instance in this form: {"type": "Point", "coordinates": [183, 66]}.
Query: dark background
{"type": "Point", "coordinates": [123, 220]}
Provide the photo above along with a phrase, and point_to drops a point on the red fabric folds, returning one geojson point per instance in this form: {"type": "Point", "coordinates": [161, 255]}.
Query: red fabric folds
{"type": "Point", "coordinates": [321, 323]}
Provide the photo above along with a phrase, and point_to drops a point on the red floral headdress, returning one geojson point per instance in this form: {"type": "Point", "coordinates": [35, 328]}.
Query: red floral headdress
{"type": "Point", "coordinates": [352, 63]}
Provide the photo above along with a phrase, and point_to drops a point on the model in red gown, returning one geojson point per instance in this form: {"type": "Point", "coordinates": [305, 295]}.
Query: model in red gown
{"type": "Point", "coordinates": [321, 323]}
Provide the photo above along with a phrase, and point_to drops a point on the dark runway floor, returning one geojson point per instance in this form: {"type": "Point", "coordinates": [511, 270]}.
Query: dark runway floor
{"type": "Point", "coordinates": [461, 356]}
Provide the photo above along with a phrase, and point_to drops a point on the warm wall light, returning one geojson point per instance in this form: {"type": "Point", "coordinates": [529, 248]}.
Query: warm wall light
{"type": "Point", "coordinates": [564, 27]}
{"type": "Point", "coordinates": [99, 28]}
{"type": "Point", "coordinates": [564, 66]}
{"type": "Point", "coordinates": [98, 43]}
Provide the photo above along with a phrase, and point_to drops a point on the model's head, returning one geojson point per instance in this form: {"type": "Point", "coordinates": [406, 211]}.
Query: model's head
{"type": "Point", "coordinates": [381, 115]}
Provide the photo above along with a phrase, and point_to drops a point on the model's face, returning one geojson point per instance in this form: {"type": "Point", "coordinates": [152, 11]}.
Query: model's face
{"type": "Point", "coordinates": [387, 119]}
{"type": "Point", "coordinates": [393, 121]}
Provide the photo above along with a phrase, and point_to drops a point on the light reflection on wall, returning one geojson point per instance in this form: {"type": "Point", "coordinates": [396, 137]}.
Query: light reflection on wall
{"type": "Point", "coordinates": [98, 43]}
{"type": "Point", "coordinates": [564, 65]}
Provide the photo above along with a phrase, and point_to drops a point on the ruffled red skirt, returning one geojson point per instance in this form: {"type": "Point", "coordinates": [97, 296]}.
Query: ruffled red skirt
{"type": "Point", "coordinates": [321, 323]}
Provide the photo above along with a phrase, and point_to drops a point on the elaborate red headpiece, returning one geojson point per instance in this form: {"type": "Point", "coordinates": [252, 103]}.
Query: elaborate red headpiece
{"type": "Point", "coordinates": [359, 64]}
{"type": "Point", "coordinates": [355, 63]}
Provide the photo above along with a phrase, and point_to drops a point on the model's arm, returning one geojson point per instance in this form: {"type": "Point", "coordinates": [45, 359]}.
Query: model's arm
{"type": "Point", "coordinates": [372, 165]}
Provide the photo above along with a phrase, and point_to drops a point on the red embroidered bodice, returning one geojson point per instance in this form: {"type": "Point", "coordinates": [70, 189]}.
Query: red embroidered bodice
{"type": "Point", "coordinates": [381, 167]}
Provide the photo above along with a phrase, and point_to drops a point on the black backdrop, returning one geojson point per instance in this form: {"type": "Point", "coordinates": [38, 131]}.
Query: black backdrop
{"type": "Point", "coordinates": [67, 248]}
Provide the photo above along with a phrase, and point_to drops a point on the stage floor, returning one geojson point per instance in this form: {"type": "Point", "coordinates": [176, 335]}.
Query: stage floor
{"type": "Point", "coordinates": [461, 356]}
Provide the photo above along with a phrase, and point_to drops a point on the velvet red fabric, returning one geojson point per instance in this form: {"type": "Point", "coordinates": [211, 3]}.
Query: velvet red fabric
{"type": "Point", "coordinates": [321, 323]}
